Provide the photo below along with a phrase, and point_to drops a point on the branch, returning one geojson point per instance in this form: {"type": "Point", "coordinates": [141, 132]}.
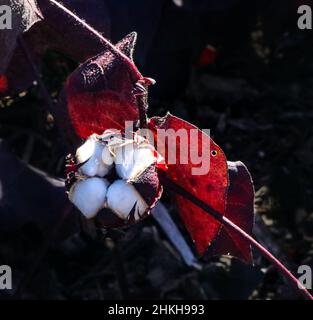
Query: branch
{"type": "Point", "coordinates": [162, 217]}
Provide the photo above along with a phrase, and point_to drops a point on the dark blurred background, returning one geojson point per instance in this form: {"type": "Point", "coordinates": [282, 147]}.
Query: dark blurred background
{"type": "Point", "coordinates": [241, 68]}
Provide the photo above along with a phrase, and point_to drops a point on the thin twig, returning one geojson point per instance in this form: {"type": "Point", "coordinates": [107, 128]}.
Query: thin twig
{"type": "Point", "coordinates": [229, 224]}
{"type": "Point", "coordinates": [142, 105]}
{"type": "Point", "coordinates": [164, 220]}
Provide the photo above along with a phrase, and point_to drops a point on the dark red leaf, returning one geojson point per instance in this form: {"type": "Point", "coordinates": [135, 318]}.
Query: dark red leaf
{"type": "Point", "coordinates": [24, 15]}
{"type": "Point", "coordinates": [210, 188]}
{"type": "Point", "coordinates": [99, 93]}
{"type": "Point", "coordinates": [239, 209]}
{"type": "Point", "coordinates": [55, 31]}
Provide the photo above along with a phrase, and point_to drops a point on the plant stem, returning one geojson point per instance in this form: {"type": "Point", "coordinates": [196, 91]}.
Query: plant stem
{"type": "Point", "coordinates": [109, 46]}
{"type": "Point", "coordinates": [142, 103]}
{"type": "Point", "coordinates": [229, 224]}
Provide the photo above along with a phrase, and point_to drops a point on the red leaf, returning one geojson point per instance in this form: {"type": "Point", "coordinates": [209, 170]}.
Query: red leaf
{"type": "Point", "coordinates": [207, 57]}
{"type": "Point", "coordinates": [240, 204]}
{"type": "Point", "coordinates": [211, 187]}
{"type": "Point", "coordinates": [99, 93]}
{"type": "Point", "coordinates": [3, 83]}
{"type": "Point", "coordinates": [54, 31]}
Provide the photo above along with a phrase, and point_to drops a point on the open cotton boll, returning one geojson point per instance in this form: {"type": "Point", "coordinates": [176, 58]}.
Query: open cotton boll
{"type": "Point", "coordinates": [132, 159]}
{"type": "Point", "coordinates": [89, 195]}
{"type": "Point", "coordinates": [97, 156]}
{"type": "Point", "coordinates": [124, 200]}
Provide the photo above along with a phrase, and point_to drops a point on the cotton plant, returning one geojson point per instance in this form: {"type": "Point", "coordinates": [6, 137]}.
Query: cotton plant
{"type": "Point", "coordinates": [118, 179]}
